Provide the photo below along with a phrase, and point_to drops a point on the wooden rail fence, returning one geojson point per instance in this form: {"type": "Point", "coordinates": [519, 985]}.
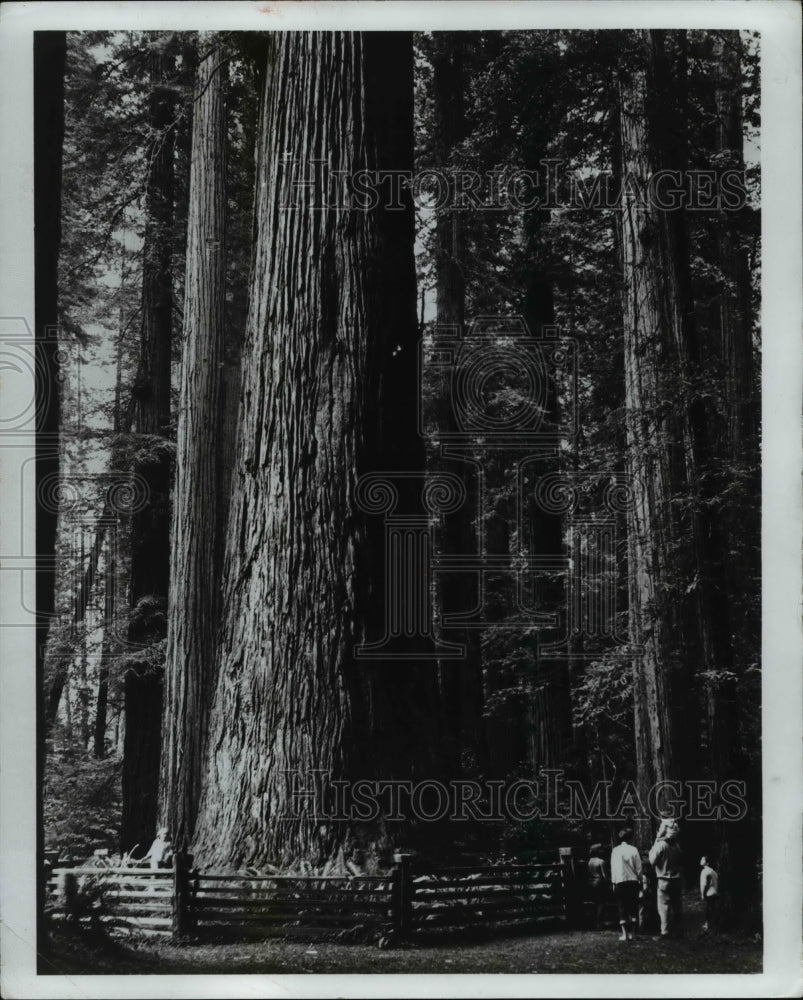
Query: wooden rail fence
{"type": "Point", "coordinates": [410, 903]}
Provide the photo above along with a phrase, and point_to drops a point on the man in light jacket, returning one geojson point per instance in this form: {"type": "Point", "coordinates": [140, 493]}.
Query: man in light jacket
{"type": "Point", "coordinates": [666, 858]}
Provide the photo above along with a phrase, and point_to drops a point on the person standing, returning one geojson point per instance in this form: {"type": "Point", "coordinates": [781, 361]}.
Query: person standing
{"type": "Point", "coordinates": [597, 883]}
{"type": "Point", "coordinates": [709, 885]}
{"type": "Point", "coordinates": [626, 879]}
{"type": "Point", "coordinates": [647, 913]}
{"type": "Point", "coordinates": [666, 858]}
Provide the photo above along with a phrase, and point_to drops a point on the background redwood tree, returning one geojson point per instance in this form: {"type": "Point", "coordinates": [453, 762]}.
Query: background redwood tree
{"type": "Point", "coordinates": [152, 460]}
{"type": "Point", "coordinates": [200, 485]}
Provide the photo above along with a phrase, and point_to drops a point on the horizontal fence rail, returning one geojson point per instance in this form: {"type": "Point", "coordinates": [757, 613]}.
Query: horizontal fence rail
{"type": "Point", "coordinates": [407, 903]}
{"type": "Point", "coordinates": [276, 903]}
{"type": "Point", "coordinates": [459, 898]}
{"type": "Point", "coordinates": [140, 899]}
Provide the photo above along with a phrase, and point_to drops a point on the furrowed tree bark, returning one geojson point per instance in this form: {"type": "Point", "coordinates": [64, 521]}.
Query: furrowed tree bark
{"type": "Point", "coordinates": [679, 606]}
{"type": "Point", "coordinates": [200, 485]}
{"type": "Point", "coordinates": [327, 394]}
{"type": "Point", "coordinates": [710, 609]}
{"type": "Point", "coordinates": [655, 441]}
{"type": "Point", "coordinates": [150, 537]}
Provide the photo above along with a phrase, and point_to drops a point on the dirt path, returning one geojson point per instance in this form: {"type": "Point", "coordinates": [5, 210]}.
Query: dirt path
{"type": "Point", "coordinates": [568, 951]}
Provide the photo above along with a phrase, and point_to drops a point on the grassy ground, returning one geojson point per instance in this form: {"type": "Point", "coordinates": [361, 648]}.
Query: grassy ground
{"type": "Point", "coordinates": [544, 952]}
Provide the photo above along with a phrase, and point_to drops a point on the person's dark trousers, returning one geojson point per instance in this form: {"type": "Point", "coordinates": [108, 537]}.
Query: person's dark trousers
{"type": "Point", "coordinates": [670, 906]}
{"type": "Point", "coordinates": [627, 899]}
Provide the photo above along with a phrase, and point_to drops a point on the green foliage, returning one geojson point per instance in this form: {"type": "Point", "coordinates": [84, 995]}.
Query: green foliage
{"type": "Point", "coordinates": [603, 704]}
{"type": "Point", "coordinates": [81, 804]}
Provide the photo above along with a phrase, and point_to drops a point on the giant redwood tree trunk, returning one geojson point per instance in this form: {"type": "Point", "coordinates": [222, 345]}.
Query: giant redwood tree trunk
{"type": "Point", "coordinates": [196, 569]}
{"type": "Point", "coordinates": [679, 608]}
{"type": "Point", "coordinates": [708, 613]}
{"type": "Point", "coordinates": [328, 393]}
{"type": "Point", "coordinates": [150, 534]}
{"type": "Point", "coordinates": [655, 439]}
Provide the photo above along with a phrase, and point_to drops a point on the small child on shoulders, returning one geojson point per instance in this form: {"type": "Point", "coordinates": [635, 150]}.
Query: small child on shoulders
{"type": "Point", "coordinates": [669, 828]}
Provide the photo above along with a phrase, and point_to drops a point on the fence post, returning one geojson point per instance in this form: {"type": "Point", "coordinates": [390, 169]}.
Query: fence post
{"type": "Point", "coordinates": [571, 887]}
{"type": "Point", "coordinates": [180, 895]}
{"type": "Point", "coordinates": [402, 894]}
{"type": "Point", "coordinates": [192, 894]}
{"type": "Point", "coordinates": [50, 862]}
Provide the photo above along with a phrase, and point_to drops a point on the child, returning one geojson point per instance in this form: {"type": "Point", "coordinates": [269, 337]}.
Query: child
{"type": "Point", "coordinates": [669, 828]}
{"type": "Point", "coordinates": [708, 893]}
{"type": "Point", "coordinates": [160, 854]}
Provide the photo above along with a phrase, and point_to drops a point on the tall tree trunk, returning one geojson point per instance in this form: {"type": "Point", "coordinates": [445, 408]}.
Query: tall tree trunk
{"type": "Point", "coordinates": [68, 728]}
{"type": "Point", "coordinates": [60, 658]}
{"type": "Point", "coordinates": [52, 698]}
{"type": "Point", "coordinates": [549, 713]}
{"type": "Point", "coordinates": [114, 598]}
{"type": "Point", "coordinates": [448, 91]}
{"type": "Point", "coordinates": [102, 701]}
{"type": "Point", "coordinates": [678, 584]}
{"type": "Point", "coordinates": [654, 439]}
{"type": "Point", "coordinates": [739, 843]}
{"type": "Point", "coordinates": [328, 372]}
{"type": "Point", "coordinates": [150, 535]}
{"type": "Point", "coordinates": [710, 611]}
{"type": "Point", "coordinates": [739, 445]}
{"type": "Point", "coordinates": [200, 486]}
{"type": "Point", "coordinates": [460, 682]}
{"type": "Point", "coordinates": [83, 681]}
{"type": "Point", "coordinates": [735, 309]}
{"type": "Point", "coordinates": [50, 50]}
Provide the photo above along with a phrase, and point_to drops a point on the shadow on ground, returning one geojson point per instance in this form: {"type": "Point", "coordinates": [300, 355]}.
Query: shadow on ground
{"type": "Point", "coordinates": [597, 952]}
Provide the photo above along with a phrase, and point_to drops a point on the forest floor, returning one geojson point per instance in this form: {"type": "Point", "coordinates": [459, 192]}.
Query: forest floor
{"type": "Point", "coordinates": [597, 952]}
